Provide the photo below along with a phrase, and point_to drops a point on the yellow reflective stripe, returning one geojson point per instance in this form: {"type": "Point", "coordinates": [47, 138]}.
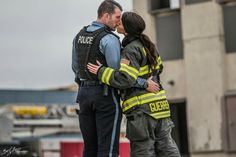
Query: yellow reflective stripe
{"type": "Point", "coordinates": [163, 114]}
{"type": "Point", "coordinates": [152, 94]}
{"type": "Point", "coordinates": [129, 70]}
{"type": "Point", "coordinates": [157, 67]}
{"type": "Point", "coordinates": [159, 60]}
{"type": "Point", "coordinates": [143, 99]}
{"type": "Point", "coordinates": [129, 106]}
{"type": "Point", "coordinates": [109, 76]}
{"type": "Point", "coordinates": [129, 73]}
{"type": "Point", "coordinates": [135, 71]}
{"type": "Point", "coordinates": [144, 51]}
{"type": "Point", "coordinates": [152, 98]}
{"type": "Point", "coordinates": [106, 75]}
{"type": "Point", "coordinates": [144, 70]}
{"type": "Point", "coordinates": [131, 100]}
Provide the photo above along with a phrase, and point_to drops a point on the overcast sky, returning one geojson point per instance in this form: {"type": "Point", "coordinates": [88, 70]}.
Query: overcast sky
{"type": "Point", "coordinates": [36, 40]}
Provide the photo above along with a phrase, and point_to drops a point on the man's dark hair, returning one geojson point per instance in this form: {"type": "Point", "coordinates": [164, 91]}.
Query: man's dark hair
{"type": "Point", "coordinates": [108, 6]}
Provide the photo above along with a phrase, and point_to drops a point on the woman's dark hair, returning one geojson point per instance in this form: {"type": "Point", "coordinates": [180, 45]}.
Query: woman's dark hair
{"type": "Point", "coordinates": [134, 25]}
{"type": "Point", "coordinates": [108, 6]}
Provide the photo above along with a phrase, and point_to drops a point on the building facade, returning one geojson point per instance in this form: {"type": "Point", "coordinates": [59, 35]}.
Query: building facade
{"type": "Point", "coordinates": [197, 41]}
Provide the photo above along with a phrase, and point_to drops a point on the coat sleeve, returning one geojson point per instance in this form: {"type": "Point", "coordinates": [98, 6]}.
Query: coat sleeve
{"type": "Point", "coordinates": [126, 76]}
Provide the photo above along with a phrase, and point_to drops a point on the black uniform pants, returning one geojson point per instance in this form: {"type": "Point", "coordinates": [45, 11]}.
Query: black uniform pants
{"type": "Point", "coordinates": [100, 118]}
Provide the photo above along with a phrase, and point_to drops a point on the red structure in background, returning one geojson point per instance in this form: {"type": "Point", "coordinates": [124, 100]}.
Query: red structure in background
{"type": "Point", "coordinates": [75, 149]}
{"type": "Point", "coordinates": [124, 149]}
{"type": "Point", "coordinates": [72, 149]}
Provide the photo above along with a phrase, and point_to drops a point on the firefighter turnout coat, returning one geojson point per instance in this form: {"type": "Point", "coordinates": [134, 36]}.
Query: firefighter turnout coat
{"type": "Point", "coordinates": [134, 64]}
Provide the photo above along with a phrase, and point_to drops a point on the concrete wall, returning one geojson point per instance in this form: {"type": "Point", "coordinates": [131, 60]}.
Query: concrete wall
{"type": "Point", "coordinates": [205, 66]}
{"type": "Point", "coordinates": [174, 71]}
{"type": "Point", "coordinates": [231, 71]}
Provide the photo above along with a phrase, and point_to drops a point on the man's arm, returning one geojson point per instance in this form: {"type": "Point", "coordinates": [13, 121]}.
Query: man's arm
{"type": "Point", "coordinates": [110, 47]}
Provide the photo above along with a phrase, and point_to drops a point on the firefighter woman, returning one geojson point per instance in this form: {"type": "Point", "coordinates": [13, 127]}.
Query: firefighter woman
{"type": "Point", "coordinates": [148, 114]}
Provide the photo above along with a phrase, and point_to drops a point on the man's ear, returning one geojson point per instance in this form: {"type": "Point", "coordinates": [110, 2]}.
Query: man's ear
{"type": "Point", "coordinates": [106, 15]}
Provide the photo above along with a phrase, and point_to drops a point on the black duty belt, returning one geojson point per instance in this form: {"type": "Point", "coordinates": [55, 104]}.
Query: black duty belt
{"type": "Point", "coordinates": [90, 83]}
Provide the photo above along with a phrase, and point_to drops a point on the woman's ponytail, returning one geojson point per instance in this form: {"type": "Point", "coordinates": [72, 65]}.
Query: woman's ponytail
{"type": "Point", "coordinates": [150, 49]}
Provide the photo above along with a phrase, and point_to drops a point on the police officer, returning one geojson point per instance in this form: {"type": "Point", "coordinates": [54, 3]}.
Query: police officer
{"type": "Point", "coordinates": [148, 123]}
{"type": "Point", "coordinates": [100, 112]}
